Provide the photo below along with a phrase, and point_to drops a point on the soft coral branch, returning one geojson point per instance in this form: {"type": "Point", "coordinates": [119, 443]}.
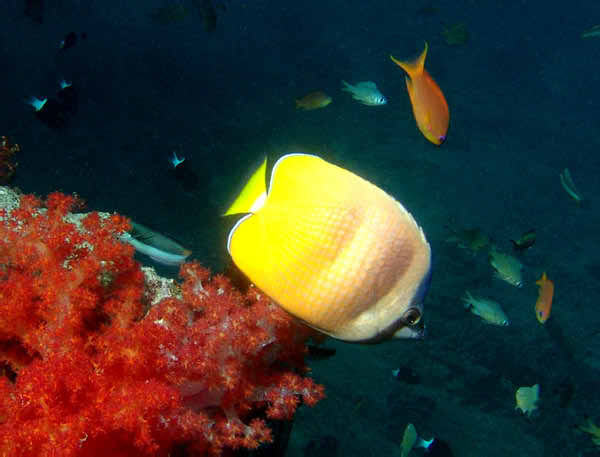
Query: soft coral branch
{"type": "Point", "coordinates": [87, 372]}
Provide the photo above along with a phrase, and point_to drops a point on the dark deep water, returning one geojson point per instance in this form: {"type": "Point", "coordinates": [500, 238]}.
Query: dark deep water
{"type": "Point", "coordinates": [524, 100]}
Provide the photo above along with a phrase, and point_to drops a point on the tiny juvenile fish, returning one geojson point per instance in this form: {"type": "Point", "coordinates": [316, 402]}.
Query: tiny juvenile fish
{"type": "Point", "coordinates": [508, 268]}
{"type": "Point", "coordinates": [366, 92]}
{"type": "Point", "coordinates": [489, 310]}
{"type": "Point", "coordinates": [314, 100]}
{"type": "Point", "coordinates": [591, 32]}
{"type": "Point", "coordinates": [412, 440]}
{"type": "Point", "coordinates": [472, 239]}
{"type": "Point", "coordinates": [70, 40]}
{"type": "Point", "coordinates": [569, 186]}
{"type": "Point", "coordinates": [526, 240]}
{"type": "Point", "coordinates": [527, 398]}
{"type": "Point", "coordinates": [591, 428]}
{"type": "Point", "coordinates": [543, 305]}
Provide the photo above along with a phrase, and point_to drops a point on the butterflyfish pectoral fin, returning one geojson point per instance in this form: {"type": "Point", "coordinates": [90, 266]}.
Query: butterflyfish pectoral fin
{"type": "Point", "coordinates": [253, 195]}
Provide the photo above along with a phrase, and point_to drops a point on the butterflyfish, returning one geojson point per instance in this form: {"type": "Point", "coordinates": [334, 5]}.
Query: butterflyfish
{"type": "Point", "coordinates": [427, 99]}
{"type": "Point", "coordinates": [332, 249]}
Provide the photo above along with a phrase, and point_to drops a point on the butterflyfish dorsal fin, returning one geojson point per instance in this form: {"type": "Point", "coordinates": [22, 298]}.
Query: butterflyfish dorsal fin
{"type": "Point", "coordinates": [253, 195]}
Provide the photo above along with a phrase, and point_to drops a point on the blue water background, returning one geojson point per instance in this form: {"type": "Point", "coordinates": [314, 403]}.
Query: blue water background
{"type": "Point", "coordinates": [524, 96]}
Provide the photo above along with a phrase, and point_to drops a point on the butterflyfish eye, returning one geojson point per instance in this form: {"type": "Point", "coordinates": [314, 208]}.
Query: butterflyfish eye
{"type": "Point", "coordinates": [412, 317]}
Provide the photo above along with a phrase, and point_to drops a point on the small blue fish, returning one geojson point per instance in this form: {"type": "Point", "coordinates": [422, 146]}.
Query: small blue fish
{"type": "Point", "coordinates": [365, 92]}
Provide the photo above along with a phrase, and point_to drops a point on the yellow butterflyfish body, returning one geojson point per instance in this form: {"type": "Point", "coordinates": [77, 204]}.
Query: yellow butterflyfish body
{"type": "Point", "coordinates": [335, 251]}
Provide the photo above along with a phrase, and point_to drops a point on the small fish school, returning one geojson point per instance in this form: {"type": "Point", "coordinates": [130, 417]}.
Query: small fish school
{"type": "Point", "coordinates": [429, 105]}
{"type": "Point", "coordinates": [507, 268]}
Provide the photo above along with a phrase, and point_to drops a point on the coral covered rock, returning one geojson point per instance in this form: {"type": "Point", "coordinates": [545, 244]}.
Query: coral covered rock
{"type": "Point", "coordinates": [92, 365]}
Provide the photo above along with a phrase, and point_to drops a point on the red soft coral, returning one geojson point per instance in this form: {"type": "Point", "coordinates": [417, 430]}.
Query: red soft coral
{"type": "Point", "coordinates": [52, 287]}
{"type": "Point", "coordinates": [87, 375]}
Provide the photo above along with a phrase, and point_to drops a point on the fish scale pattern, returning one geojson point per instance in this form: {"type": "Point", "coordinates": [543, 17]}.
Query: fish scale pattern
{"type": "Point", "coordinates": [338, 261]}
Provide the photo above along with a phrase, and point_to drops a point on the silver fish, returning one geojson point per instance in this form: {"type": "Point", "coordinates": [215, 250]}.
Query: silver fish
{"type": "Point", "coordinates": [489, 310]}
{"type": "Point", "coordinates": [366, 92]}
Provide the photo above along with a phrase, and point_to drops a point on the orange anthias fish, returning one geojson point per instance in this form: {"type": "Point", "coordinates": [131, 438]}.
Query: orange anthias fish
{"type": "Point", "coordinates": [314, 100]}
{"type": "Point", "coordinates": [543, 305]}
{"type": "Point", "coordinates": [428, 102]}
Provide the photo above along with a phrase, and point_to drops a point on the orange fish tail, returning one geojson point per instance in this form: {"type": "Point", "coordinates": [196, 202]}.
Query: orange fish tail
{"type": "Point", "coordinates": [414, 67]}
{"type": "Point", "coordinates": [542, 280]}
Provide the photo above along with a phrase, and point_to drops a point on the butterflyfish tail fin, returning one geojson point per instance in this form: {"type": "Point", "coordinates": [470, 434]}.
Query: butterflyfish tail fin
{"type": "Point", "coordinates": [413, 67]}
{"type": "Point", "coordinates": [253, 195]}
